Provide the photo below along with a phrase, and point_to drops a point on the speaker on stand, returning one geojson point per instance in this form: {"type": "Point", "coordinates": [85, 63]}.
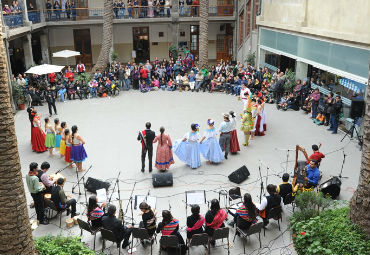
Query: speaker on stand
{"type": "Point", "coordinates": [357, 111]}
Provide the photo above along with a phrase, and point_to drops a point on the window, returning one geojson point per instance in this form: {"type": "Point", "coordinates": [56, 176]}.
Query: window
{"type": "Point", "coordinates": [241, 28]}
{"type": "Point", "coordinates": [194, 38]}
{"type": "Point", "coordinates": [220, 44]}
{"type": "Point", "coordinates": [248, 20]}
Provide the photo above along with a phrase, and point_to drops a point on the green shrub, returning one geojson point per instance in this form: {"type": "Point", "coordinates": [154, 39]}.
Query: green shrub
{"type": "Point", "coordinates": [83, 77]}
{"type": "Point", "coordinates": [289, 81]}
{"type": "Point", "coordinates": [331, 232]}
{"type": "Point", "coordinates": [59, 245]}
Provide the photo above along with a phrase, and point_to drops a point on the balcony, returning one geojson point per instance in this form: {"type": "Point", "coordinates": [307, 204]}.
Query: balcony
{"type": "Point", "coordinates": [219, 10]}
{"type": "Point", "coordinates": [13, 20]}
{"type": "Point", "coordinates": [34, 16]}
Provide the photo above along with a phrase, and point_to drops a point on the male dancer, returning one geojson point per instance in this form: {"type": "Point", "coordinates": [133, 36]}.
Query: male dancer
{"type": "Point", "coordinates": [225, 128]}
{"type": "Point", "coordinates": [245, 95]}
{"type": "Point", "coordinates": [146, 137]}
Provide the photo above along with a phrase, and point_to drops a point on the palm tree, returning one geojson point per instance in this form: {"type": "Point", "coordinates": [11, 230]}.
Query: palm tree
{"type": "Point", "coordinates": [107, 37]}
{"type": "Point", "coordinates": [360, 202]}
{"type": "Point", "coordinates": [15, 229]}
{"type": "Point", "coordinates": [203, 33]}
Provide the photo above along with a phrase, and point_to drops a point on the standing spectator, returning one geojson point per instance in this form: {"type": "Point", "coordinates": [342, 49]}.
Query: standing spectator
{"type": "Point", "coordinates": [314, 98]}
{"type": "Point", "coordinates": [129, 8]}
{"type": "Point", "coordinates": [135, 74]}
{"type": "Point", "coordinates": [50, 99]}
{"type": "Point", "coordinates": [48, 6]}
{"type": "Point", "coordinates": [122, 8]}
{"type": "Point", "coordinates": [136, 9]}
{"type": "Point", "coordinates": [181, 6]}
{"type": "Point", "coordinates": [74, 10]}
{"type": "Point", "coordinates": [335, 110]}
{"type": "Point", "coordinates": [80, 67]}
{"type": "Point", "coordinates": [57, 9]}
{"type": "Point", "coordinates": [144, 4]}
{"type": "Point", "coordinates": [115, 9]}
{"type": "Point", "coordinates": [67, 6]}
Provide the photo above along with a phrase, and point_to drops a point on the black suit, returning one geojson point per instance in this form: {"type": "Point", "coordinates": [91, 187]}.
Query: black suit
{"type": "Point", "coordinates": [149, 137]}
{"type": "Point", "coordinates": [115, 225]}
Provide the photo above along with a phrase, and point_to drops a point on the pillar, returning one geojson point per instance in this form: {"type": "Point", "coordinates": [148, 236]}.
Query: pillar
{"type": "Point", "coordinates": [301, 70]}
{"type": "Point", "coordinates": [175, 23]}
{"type": "Point", "coordinates": [44, 41]}
{"type": "Point", "coordinates": [9, 69]}
{"type": "Point", "coordinates": [261, 56]}
{"type": "Point", "coordinates": [23, 4]}
{"type": "Point", "coordinates": [27, 49]}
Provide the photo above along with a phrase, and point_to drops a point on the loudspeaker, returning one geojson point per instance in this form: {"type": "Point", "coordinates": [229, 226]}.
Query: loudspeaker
{"type": "Point", "coordinates": [331, 187]}
{"type": "Point", "coordinates": [93, 184]}
{"type": "Point", "coordinates": [162, 180]}
{"type": "Point", "coordinates": [239, 175]}
{"type": "Point", "coordinates": [357, 108]}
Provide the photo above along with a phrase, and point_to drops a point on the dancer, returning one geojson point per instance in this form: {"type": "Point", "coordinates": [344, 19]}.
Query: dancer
{"type": "Point", "coordinates": [146, 137]}
{"type": "Point", "coordinates": [58, 136]}
{"type": "Point", "coordinates": [31, 115]}
{"type": "Point", "coordinates": [50, 136]}
{"type": "Point", "coordinates": [38, 135]}
{"type": "Point", "coordinates": [187, 150]}
{"type": "Point", "coordinates": [245, 95]}
{"type": "Point", "coordinates": [164, 157]}
{"type": "Point", "coordinates": [254, 117]}
{"type": "Point", "coordinates": [225, 129]}
{"type": "Point", "coordinates": [259, 122]}
{"type": "Point", "coordinates": [62, 149]}
{"type": "Point", "coordinates": [78, 153]}
{"type": "Point", "coordinates": [234, 142]}
{"type": "Point", "coordinates": [68, 147]}
{"type": "Point", "coordinates": [211, 149]}
{"type": "Point", "coordinates": [247, 124]}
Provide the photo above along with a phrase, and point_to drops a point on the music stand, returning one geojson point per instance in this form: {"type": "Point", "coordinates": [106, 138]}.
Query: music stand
{"type": "Point", "coordinates": [194, 197]}
{"type": "Point", "coordinates": [152, 201]}
{"type": "Point", "coordinates": [79, 180]}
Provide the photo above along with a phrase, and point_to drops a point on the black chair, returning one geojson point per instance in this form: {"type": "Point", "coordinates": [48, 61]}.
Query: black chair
{"type": "Point", "coordinates": [50, 204]}
{"type": "Point", "coordinates": [87, 227]}
{"type": "Point", "coordinates": [169, 241]}
{"type": "Point", "coordinates": [254, 229]}
{"type": "Point", "coordinates": [235, 194]}
{"type": "Point", "coordinates": [274, 213]}
{"type": "Point", "coordinates": [197, 240]}
{"type": "Point", "coordinates": [289, 200]}
{"type": "Point", "coordinates": [142, 234]}
{"type": "Point", "coordinates": [109, 236]}
{"type": "Point", "coordinates": [221, 233]}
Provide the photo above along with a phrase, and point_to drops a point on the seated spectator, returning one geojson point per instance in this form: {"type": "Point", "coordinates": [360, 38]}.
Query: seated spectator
{"type": "Point", "coordinates": [163, 84]}
{"type": "Point", "coordinates": [320, 119]}
{"type": "Point", "coordinates": [155, 84]}
{"type": "Point", "coordinates": [194, 222]}
{"type": "Point", "coordinates": [198, 81]}
{"type": "Point", "coordinates": [171, 85]}
{"type": "Point", "coordinates": [143, 87]}
{"type": "Point", "coordinates": [179, 81]}
{"type": "Point", "coordinates": [191, 78]}
{"type": "Point", "coordinates": [185, 82]}
{"type": "Point", "coordinates": [93, 87]}
{"type": "Point", "coordinates": [292, 103]}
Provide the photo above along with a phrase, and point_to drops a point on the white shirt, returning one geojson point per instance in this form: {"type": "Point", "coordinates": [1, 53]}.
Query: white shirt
{"type": "Point", "coordinates": [209, 133]}
{"type": "Point", "coordinates": [192, 136]}
{"type": "Point", "coordinates": [243, 91]}
{"type": "Point", "coordinates": [263, 204]}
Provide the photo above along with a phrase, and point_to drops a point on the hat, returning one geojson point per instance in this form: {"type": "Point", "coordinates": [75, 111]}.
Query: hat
{"type": "Point", "coordinates": [226, 115]}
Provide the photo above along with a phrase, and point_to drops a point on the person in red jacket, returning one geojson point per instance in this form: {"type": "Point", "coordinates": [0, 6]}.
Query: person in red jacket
{"type": "Point", "coordinates": [144, 74]}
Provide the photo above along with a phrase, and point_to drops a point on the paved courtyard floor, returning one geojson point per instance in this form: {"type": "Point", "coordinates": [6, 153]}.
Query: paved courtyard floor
{"type": "Point", "coordinates": [110, 127]}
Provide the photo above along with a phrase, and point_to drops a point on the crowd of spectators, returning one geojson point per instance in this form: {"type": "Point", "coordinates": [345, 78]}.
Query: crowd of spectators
{"type": "Point", "coordinates": [14, 8]}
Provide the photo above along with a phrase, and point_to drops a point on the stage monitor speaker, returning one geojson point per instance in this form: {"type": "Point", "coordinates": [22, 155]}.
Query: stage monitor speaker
{"type": "Point", "coordinates": [93, 184]}
{"type": "Point", "coordinates": [357, 108]}
{"type": "Point", "coordinates": [162, 180]}
{"type": "Point", "coordinates": [331, 187]}
{"type": "Point", "coordinates": [239, 175]}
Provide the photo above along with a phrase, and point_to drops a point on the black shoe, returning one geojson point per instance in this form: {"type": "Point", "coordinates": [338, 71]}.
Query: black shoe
{"type": "Point", "coordinates": [68, 211]}
{"type": "Point", "coordinates": [150, 170]}
{"type": "Point", "coordinates": [213, 243]}
{"type": "Point", "coordinates": [226, 156]}
{"type": "Point", "coordinates": [125, 244]}
{"type": "Point", "coordinates": [44, 222]}
{"type": "Point", "coordinates": [74, 214]}
{"type": "Point", "coordinates": [142, 170]}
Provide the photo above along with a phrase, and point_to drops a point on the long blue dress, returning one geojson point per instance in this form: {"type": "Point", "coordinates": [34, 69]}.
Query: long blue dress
{"type": "Point", "coordinates": [188, 151]}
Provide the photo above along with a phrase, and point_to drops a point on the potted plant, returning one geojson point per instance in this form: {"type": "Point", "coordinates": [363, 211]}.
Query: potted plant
{"type": "Point", "coordinates": [18, 96]}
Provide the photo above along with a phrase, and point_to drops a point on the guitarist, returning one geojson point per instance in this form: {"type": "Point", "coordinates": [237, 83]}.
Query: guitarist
{"type": "Point", "coordinates": [146, 137]}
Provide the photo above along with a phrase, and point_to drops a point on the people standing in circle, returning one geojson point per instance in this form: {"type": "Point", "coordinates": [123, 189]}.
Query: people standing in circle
{"type": "Point", "coordinates": [38, 135]}
{"type": "Point", "coordinates": [58, 136]}
{"type": "Point", "coordinates": [146, 137]}
{"type": "Point", "coordinates": [187, 149]}
{"type": "Point", "coordinates": [234, 142]}
{"type": "Point", "coordinates": [62, 149]}
{"type": "Point", "coordinates": [50, 136]}
{"type": "Point", "coordinates": [210, 148]}
{"type": "Point", "coordinates": [78, 153]}
{"type": "Point", "coordinates": [164, 156]}
{"type": "Point", "coordinates": [225, 129]}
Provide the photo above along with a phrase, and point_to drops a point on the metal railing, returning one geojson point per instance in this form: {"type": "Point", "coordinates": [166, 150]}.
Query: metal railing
{"type": "Point", "coordinates": [193, 10]}
{"type": "Point", "coordinates": [34, 16]}
{"type": "Point", "coordinates": [13, 20]}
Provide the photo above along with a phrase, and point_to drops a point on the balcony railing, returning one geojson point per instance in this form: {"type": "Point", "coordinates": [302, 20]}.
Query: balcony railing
{"type": "Point", "coordinates": [219, 10]}
{"type": "Point", "coordinates": [13, 20]}
{"type": "Point", "coordinates": [34, 16]}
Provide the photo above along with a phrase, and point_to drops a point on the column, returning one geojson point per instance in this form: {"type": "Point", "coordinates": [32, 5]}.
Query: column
{"type": "Point", "coordinates": [23, 4]}
{"type": "Point", "coordinates": [301, 70]}
{"type": "Point", "coordinates": [6, 45]}
{"type": "Point", "coordinates": [27, 49]}
{"type": "Point", "coordinates": [44, 41]}
{"type": "Point", "coordinates": [40, 7]}
{"type": "Point", "coordinates": [261, 56]}
{"type": "Point", "coordinates": [175, 23]}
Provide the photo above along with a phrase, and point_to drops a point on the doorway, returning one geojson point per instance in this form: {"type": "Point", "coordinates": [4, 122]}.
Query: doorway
{"type": "Point", "coordinates": [82, 42]}
{"type": "Point", "coordinates": [141, 44]}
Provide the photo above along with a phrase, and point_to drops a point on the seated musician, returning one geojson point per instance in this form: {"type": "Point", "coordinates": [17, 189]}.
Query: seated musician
{"type": "Point", "coordinates": [246, 214]}
{"type": "Point", "coordinates": [110, 222]}
{"type": "Point", "coordinates": [44, 178]}
{"type": "Point", "coordinates": [316, 155]}
{"type": "Point", "coordinates": [269, 202]}
{"type": "Point", "coordinates": [194, 222]}
{"type": "Point", "coordinates": [285, 187]}
{"type": "Point", "coordinates": [169, 226]}
{"type": "Point", "coordinates": [215, 218]}
{"type": "Point", "coordinates": [95, 212]}
{"type": "Point", "coordinates": [61, 200]}
{"type": "Point", "coordinates": [312, 175]}
{"type": "Point", "coordinates": [149, 219]}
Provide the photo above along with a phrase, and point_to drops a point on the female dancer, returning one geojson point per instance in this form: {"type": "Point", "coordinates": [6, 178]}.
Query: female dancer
{"type": "Point", "coordinates": [58, 136]}
{"type": "Point", "coordinates": [247, 124]}
{"type": "Point", "coordinates": [149, 220]}
{"type": "Point", "coordinates": [164, 157]}
{"type": "Point", "coordinates": [68, 141]}
{"type": "Point", "coordinates": [78, 153]}
{"type": "Point", "coordinates": [254, 117]}
{"type": "Point", "coordinates": [31, 115]}
{"type": "Point", "coordinates": [38, 135]}
{"type": "Point", "coordinates": [188, 148]}
{"type": "Point", "coordinates": [62, 149]}
{"type": "Point", "coordinates": [234, 142]}
{"type": "Point", "coordinates": [211, 149]}
{"type": "Point", "coordinates": [259, 122]}
{"type": "Point", "coordinates": [50, 136]}
{"type": "Point", "coordinates": [95, 213]}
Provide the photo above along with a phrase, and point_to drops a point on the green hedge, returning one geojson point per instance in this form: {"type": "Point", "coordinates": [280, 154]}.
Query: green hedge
{"type": "Point", "coordinates": [59, 245]}
{"type": "Point", "coordinates": [331, 232]}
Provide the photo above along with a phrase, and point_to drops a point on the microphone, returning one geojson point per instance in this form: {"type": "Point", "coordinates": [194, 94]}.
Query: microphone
{"type": "Point", "coordinates": [169, 205]}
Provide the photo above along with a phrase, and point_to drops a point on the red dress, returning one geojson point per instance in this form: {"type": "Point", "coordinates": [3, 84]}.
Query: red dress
{"type": "Point", "coordinates": [259, 128]}
{"type": "Point", "coordinates": [234, 143]}
{"type": "Point", "coordinates": [164, 156]}
{"type": "Point", "coordinates": [67, 155]}
{"type": "Point", "coordinates": [37, 136]}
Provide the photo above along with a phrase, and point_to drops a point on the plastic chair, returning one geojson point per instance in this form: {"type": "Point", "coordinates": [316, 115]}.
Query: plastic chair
{"type": "Point", "coordinates": [142, 234]}
{"type": "Point", "coordinates": [197, 240]}
{"type": "Point", "coordinates": [109, 236]}
{"type": "Point", "coordinates": [87, 227]}
{"type": "Point", "coordinates": [253, 229]}
{"type": "Point", "coordinates": [274, 213]}
{"type": "Point", "coordinates": [221, 233]}
{"type": "Point", "coordinates": [50, 204]}
{"type": "Point", "coordinates": [169, 241]}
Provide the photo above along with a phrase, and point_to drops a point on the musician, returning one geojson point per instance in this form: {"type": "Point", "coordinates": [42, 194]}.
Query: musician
{"type": "Point", "coordinates": [269, 202]}
{"type": "Point", "coordinates": [61, 200]}
{"type": "Point", "coordinates": [110, 222]}
{"type": "Point", "coordinates": [95, 212]}
{"type": "Point", "coordinates": [146, 137]}
{"type": "Point", "coordinates": [169, 226]}
{"type": "Point", "coordinates": [285, 187]}
{"type": "Point", "coordinates": [44, 178]}
{"type": "Point", "coordinates": [316, 155]}
{"type": "Point", "coordinates": [194, 222]}
{"type": "Point", "coordinates": [312, 174]}
{"type": "Point", "coordinates": [215, 219]}
{"type": "Point", "coordinates": [149, 219]}
{"type": "Point", "coordinates": [246, 214]}
{"type": "Point", "coordinates": [35, 189]}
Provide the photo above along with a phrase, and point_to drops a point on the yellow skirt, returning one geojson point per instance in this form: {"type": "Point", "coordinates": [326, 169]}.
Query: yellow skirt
{"type": "Point", "coordinates": [62, 149]}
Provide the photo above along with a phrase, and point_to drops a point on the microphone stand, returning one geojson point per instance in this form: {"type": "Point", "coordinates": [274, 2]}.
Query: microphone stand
{"type": "Point", "coordinates": [114, 187]}
{"type": "Point", "coordinates": [62, 169]}
{"type": "Point", "coordinates": [259, 169]}
{"type": "Point", "coordinates": [341, 170]}
{"type": "Point", "coordinates": [130, 203]}
{"type": "Point", "coordinates": [79, 180]}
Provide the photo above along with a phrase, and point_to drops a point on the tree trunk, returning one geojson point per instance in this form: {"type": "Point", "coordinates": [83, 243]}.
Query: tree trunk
{"type": "Point", "coordinates": [107, 40]}
{"type": "Point", "coordinates": [360, 202]}
{"type": "Point", "coordinates": [203, 33]}
{"type": "Point", "coordinates": [15, 229]}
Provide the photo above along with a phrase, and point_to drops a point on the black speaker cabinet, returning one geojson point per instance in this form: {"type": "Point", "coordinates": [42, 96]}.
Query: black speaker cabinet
{"type": "Point", "coordinates": [93, 184]}
{"type": "Point", "coordinates": [331, 187]}
{"type": "Point", "coordinates": [162, 180]}
{"type": "Point", "coordinates": [357, 108]}
{"type": "Point", "coordinates": [239, 175]}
